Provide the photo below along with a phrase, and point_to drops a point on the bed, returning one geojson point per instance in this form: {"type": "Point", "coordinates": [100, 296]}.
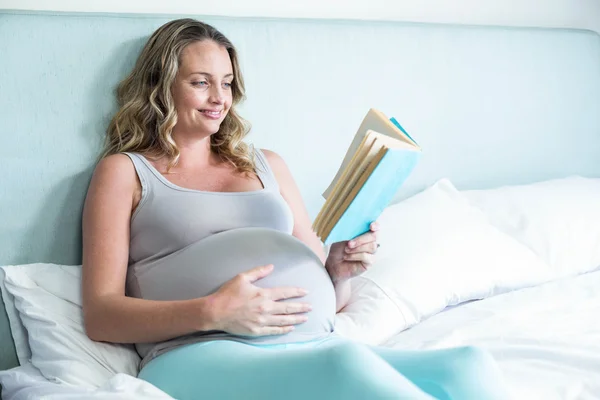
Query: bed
{"type": "Point", "coordinates": [498, 223]}
{"type": "Point", "coordinates": [545, 340]}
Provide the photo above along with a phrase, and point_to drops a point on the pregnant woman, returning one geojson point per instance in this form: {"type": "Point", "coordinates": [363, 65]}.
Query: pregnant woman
{"type": "Point", "coordinates": [198, 249]}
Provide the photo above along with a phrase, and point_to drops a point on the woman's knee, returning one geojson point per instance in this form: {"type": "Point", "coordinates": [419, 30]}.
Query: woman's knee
{"type": "Point", "coordinates": [473, 358]}
{"type": "Point", "coordinates": [349, 357]}
{"type": "Point", "coordinates": [357, 372]}
{"type": "Point", "coordinates": [358, 362]}
{"type": "Point", "coordinates": [476, 375]}
{"type": "Point", "coordinates": [471, 365]}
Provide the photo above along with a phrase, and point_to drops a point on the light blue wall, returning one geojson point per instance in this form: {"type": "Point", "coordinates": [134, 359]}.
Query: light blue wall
{"type": "Point", "coordinates": [489, 106]}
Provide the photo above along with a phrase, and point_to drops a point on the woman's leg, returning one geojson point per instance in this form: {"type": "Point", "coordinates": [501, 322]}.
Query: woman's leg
{"type": "Point", "coordinates": [231, 370]}
{"type": "Point", "coordinates": [463, 373]}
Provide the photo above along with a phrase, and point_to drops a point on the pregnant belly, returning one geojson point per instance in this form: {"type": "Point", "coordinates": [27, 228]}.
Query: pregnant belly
{"type": "Point", "coordinates": [203, 267]}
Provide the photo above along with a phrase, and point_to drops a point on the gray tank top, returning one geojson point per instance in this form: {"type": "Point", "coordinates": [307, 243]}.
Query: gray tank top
{"type": "Point", "coordinates": [187, 243]}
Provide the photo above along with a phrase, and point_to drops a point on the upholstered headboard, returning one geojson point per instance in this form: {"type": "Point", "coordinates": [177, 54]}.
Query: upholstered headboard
{"type": "Point", "coordinates": [489, 106]}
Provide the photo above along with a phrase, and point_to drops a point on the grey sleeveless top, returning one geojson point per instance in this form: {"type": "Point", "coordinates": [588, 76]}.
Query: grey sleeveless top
{"type": "Point", "coordinates": [187, 243]}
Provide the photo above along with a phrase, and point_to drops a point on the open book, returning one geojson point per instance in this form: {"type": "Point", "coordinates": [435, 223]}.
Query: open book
{"type": "Point", "coordinates": [380, 158]}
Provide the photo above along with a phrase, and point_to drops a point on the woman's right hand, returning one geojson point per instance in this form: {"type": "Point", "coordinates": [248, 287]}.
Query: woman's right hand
{"type": "Point", "coordinates": [242, 308]}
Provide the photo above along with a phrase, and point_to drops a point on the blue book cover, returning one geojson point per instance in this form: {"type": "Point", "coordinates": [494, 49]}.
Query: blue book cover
{"type": "Point", "coordinates": [375, 195]}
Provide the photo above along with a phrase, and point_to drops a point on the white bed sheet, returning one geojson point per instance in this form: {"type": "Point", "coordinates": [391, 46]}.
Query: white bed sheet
{"type": "Point", "coordinates": [26, 383]}
{"type": "Point", "coordinates": [546, 338]}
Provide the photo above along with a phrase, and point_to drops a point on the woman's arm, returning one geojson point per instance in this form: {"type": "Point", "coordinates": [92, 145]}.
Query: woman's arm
{"type": "Point", "coordinates": [302, 224]}
{"type": "Point", "coordinates": [109, 315]}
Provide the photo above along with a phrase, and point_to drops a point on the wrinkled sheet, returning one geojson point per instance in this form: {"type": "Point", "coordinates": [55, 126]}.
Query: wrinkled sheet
{"type": "Point", "coordinates": [546, 339]}
{"type": "Point", "coordinates": [26, 383]}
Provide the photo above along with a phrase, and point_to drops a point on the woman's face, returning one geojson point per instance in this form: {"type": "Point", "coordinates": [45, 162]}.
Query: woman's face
{"type": "Point", "coordinates": [202, 89]}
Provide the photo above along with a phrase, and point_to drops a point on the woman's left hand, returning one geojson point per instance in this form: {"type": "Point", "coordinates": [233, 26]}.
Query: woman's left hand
{"type": "Point", "coordinates": [348, 259]}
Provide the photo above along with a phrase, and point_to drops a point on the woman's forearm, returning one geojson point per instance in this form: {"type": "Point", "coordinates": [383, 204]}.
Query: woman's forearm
{"type": "Point", "coordinates": [342, 294]}
{"type": "Point", "coordinates": [342, 288]}
{"type": "Point", "coordinates": [120, 319]}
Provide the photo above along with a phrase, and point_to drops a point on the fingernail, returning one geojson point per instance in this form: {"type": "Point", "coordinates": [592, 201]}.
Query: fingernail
{"type": "Point", "coordinates": [351, 244]}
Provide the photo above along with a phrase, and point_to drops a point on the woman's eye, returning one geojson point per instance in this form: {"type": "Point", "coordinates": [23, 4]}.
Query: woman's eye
{"type": "Point", "coordinates": [200, 83]}
{"type": "Point", "coordinates": [227, 85]}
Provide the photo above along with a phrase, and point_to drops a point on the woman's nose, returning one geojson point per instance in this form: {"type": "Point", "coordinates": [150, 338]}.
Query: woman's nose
{"type": "Point", "coordinates": [216, 95]}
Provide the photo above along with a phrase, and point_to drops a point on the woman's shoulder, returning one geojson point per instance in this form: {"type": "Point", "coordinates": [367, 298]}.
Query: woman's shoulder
{"type": "Point", "coordinates": [274, 159]}
{"type": "Point", "coordinates": [279, 167]}
{"type": "Point", "coordinates": [115, 170]}
{"type": "Point", "coordinates": [115, 163]}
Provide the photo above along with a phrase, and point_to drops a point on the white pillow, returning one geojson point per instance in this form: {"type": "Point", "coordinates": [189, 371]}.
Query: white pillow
{"type": "Point", "coordinates": [436, 251]}
{"type": "Point", "coordinates": [47, 299]}
{"type": "Point", "coordinates": [18, 332]}
{"type": "Point", "coordinates": [558, 219]}
{"type": "Point", "coordinates": [370, 316]}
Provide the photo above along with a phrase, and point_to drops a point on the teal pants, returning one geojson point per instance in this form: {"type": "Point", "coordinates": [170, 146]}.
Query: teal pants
{"type": "Point", "coordinates": [330, 369]}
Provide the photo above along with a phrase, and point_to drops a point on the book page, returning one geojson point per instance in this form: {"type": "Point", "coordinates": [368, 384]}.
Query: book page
{"type": "Point", "coordinates": [357, 159]}
{"type": "Point", "coordinates": [347, 200]}
{"type": "Point", "coordinates": [385, 140]}
{"type": "Point", "coordinates": [354, 171]}
{"type": "Point", "coordinates": [376, 121]}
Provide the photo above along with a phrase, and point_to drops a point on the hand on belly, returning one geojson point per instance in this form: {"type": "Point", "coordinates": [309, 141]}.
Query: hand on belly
{"type": "Point", "coordinates": [245, 309]}
{"type": "Point", "coordinates": [252, 302]}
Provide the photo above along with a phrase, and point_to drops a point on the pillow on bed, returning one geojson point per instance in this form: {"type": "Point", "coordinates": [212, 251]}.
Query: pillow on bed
{"type": "Point", "coordinates": [47, 300]}
{"type": "Point", "coordinates": [436, 250]}
{"type": "Point", "coordinates": [558, 219]}
{"type": "Point", "coordinates": [370, 316]}
{"type": "Point", "coordinates": [18, 332]}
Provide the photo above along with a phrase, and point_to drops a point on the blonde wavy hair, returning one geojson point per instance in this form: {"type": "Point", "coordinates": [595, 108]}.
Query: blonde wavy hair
{"type": "Point", "coordinates": [147, 115]}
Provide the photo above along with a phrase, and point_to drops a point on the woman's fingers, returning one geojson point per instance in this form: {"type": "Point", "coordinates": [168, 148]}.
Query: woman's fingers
{"type": "Point", "coordinates": [257, 273]}
{"type": "Point", "coordinates": [365, 258]}
{"type": "Point", "coordinates": [290, 308]}
{"type": "Point", "coordinates": [370, 247]}
{"type": "Point", "coordinates": [273, 330]}
{"type": "Point", "coordinates": [276, 317]}
{"type": "Point", "coordinates": [282, 293]}
{"type": "Point", "coordinates": [284, 320]}
{"type": "Point", "coordinates": [365, 238]}
{"type": "Point", "coordinates": [246, 309]}
{"type": "Point", "coordinates": [272, 324]}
